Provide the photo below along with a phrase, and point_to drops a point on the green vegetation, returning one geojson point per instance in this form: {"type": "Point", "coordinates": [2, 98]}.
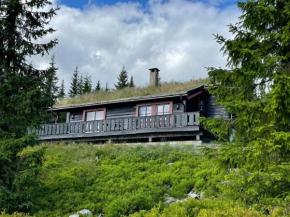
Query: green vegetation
{"type": "Point", "coordinates": [164, 88]}
{"type": "Point", "coordinates": [256, 90]}
{"type": "Point", "coordinates": [25, 95]}
{"type": "Point", "coordinates": [135, 180]}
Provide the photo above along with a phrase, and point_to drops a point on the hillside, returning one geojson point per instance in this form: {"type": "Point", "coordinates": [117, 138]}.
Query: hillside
{"type": "Point", "coordinates": [122, 180]}
{"type": "Point", "coordinates": [164, 88]}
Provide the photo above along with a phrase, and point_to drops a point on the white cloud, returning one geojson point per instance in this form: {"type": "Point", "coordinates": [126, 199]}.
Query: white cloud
{"type": "Point", "coordinates": [176, 36]}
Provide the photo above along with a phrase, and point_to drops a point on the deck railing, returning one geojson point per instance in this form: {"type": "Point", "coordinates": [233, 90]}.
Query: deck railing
{"type": "Point", "coordinates": [120, 124]}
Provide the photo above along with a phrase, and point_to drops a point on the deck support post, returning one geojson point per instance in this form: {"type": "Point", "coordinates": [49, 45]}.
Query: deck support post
{"type": "Point", "coordinates": [197, 137]}
{"type": "Point", "coordinates": [150, 139]}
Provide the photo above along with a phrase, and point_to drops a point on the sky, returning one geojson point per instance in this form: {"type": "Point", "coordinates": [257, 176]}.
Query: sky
{"type": "Point", "coordinates": [101, 36]}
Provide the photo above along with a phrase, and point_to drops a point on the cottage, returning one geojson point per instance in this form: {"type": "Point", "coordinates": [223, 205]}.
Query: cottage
{"type": "Point", "coordinates": [154, 117]}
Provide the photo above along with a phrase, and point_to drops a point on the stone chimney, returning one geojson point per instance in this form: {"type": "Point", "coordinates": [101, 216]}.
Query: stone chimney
{"type": "Point", "coordinates": [154, 75]}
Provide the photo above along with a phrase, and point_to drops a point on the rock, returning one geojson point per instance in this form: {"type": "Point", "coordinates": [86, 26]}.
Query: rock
{"type": "Point", "coordinates": [201, 195]}
{"type": "Point", "coordinates": [97, 157]}
{"type": "Point", "coordinates": [169, 164]}
{"type": "Point", "coordinates": [193, 195]}
{"type": "Point", "coordinates": [74, 215]}
{"type": "Point", "coordinates": [170, 200]}
{"type": "Point", "coordinates": [86, 212]}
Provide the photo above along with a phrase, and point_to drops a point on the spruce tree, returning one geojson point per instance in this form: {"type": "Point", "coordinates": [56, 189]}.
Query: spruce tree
{"type": "Point", "coordinates": [255, 89]}
{"type": "Point", "coordinates": [87, 84]}
{"type": "Point", "coordinates": [80, 85]}
{"type": "Point", "coordinates": [61, 93]}
{"type": "Point", "coordinates": [98, 86]}
{"type": "Point", "coordinates": [122, 80]}
{"type": "Point", "coordinates": [23, 101]}
{"type": "Point", "coordinates": [131, 84]}
{"type": "Point", "coordinates": [51, 88]}
{"type": "Point", "coordinates": [107, 89]}
{"type": "Point", "coordinates": [74, 88]}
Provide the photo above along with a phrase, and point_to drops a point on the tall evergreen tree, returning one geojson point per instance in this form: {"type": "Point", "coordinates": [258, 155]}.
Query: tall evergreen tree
{"type": "Point", "coordinates": [256, 90]}
{"type": "Point", "coordinates": [107, 89]}
{"type": "Point", "coordinates": [23, 100]}
{"type": "Point", "coordinates": [74, 88]}
{"type": "Point", "coordinates": [51, 88]}
{"type": "Point", "coordinates": [87, 84]}
{"type": "Point", "coordinates": [61, 93]}
{"type": "Point", "coordinates": [131, 83]}
{"type": "Point", "coordinates": [122, 80]}
{"type": "Point", "coordinates": [80, 85]}
{"type": "Point", "coordinates": [98, 86]}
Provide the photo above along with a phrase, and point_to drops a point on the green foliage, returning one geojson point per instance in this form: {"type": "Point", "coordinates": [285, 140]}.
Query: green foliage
{"type": "Point", "coordinates": [205, 208]}
{"type": "Point", "coordinates": [98, 86]}
{"type": "Point", "coordinates": [131, 83]}
{"type": "Point", "coordinates": [122, 80]}
{"type": "Point", "coordinates": [121, 181]}
{"type": "Point", "coordinates": [51, 88]}
{"type": "Point", "coordinates": [74, 88]}
{"type": "Point", "coordinates": [87, 84]}
{"type": "Point", "coordinates": [25, 93]}
{"type": "Point", "coordinates": [61, 93]}
{"type": "Point", "coordinates": [18, 172]}
{"type": "Point", "coordinates": [255, 90]}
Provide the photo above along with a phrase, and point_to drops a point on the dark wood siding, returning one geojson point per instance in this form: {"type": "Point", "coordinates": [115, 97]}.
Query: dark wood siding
{"type": "Point", "coordinates": [121, 111]}
{"type": "Point", "coordinates": [127, 110]}
{"type": "Point", "coordinates": [210, 109]}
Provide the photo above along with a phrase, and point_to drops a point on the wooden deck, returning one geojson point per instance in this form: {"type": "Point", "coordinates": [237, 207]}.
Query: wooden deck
{"type": "Point", "coordinates": [123, 128]}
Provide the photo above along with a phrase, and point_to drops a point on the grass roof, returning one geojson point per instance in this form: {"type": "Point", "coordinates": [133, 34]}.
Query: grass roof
{"type": "Point", "coordinates": [164, 88]}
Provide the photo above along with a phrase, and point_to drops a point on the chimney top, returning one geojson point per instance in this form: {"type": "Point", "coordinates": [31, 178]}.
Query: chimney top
{"type": "Point", "coordinates": [154, 69]}
{"type": "Point", "coordinates": [154, 76]}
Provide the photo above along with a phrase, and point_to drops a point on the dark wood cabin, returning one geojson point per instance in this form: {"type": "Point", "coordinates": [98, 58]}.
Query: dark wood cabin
{"type": "Point", "coordinates": [152, 118]}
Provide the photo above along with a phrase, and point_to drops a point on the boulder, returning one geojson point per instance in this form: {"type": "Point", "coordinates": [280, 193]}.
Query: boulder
{"type": "Point", "coordinates": [84, 212]}
{"type": "Point", "coordinates": [192, 194]}
{"type": "Point", "coordinates": [170, 200]}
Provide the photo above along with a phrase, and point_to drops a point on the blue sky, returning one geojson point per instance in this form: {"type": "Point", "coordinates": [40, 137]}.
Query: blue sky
{"type": "Point", "coordinates": [80, 3]}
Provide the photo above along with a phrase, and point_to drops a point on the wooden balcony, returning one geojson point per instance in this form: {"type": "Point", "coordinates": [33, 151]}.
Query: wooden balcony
{"type": "Point", "coordinates": [185, 124]}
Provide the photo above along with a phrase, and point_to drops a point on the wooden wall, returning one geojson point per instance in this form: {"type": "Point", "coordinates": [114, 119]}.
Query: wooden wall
{"type": "Point", "coordinates": [208, 108]}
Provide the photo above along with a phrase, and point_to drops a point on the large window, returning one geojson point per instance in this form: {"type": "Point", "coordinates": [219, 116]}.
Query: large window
{"type": "Point", "coordinates": [163, 109]}
{"type": "Point", "coordinates": [94, 115]}
{"type": "Point", "coordinates": [154, 109]}
{"type": "Point", "coordinates": [145, 111]}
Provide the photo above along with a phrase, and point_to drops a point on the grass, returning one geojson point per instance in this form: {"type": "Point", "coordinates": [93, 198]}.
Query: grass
{"type": "Point", "coordinates": [164, 88]}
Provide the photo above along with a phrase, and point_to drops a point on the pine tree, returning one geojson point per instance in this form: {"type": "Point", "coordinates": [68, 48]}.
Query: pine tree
{"type": "Point", "coordinates": [23, 101]}
{"type": "Point", "coordinates": [122, 80]}
{"type": "Point", "coordinates": [80, 85]}
{"type": "Point", "coordinates": [131, 84]}
{"type": "Point", "coordinates": [87, 84]}
{"type": "Point", "coordinates": [61, 93]}
{"type": "Point", "coordinates": [74, 88]}
{"type": "Point", "coordinates": [107, 89]}
{"type": "Point", "coordinates": [256, 91]}
{"type": "Point", "coordinates": [51, 88]}
{"type": "Point", "coordinates": [98, 86]}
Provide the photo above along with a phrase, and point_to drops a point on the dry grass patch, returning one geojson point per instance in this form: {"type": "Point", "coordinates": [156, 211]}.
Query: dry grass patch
{"type": "Point", "coordinates": [164, 88]}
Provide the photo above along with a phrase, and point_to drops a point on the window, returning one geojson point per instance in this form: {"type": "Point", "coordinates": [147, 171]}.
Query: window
{"type": "Point", "coordinates": [163, 109]}
{"type": "Point", "coordinates": [94, 115]}
{"type": "Point", "coordinates": [154, 109]}
{"type": "Point", "coordinates": [145, 111]}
